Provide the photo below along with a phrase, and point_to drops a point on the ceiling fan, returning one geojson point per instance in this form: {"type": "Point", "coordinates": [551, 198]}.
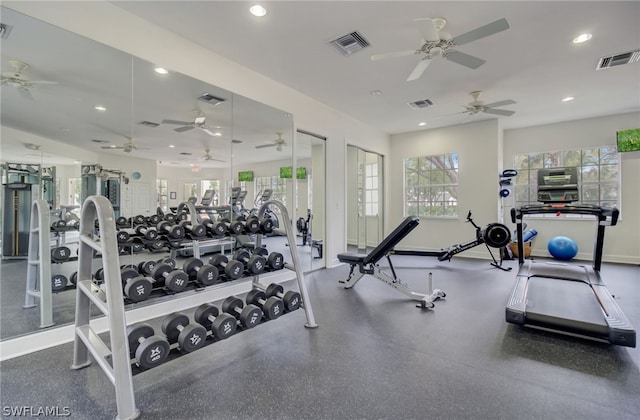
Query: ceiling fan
{"type": "Point", "coordinates": [127, 147]}
{"type": "Point", "coordinates": [438, 43]}
{"type": "Point", "coordinates": [199, 122]}
{"type": "Point", "coordinates": [207, 156]}
{"type": "Point", "coordinates": [20, 81]}
{"type": "Point", "coordinates": [277, 143]}
{"type": "Point", "coordinates": [477, 106]}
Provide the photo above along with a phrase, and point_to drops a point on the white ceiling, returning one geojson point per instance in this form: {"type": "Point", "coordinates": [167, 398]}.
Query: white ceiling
{"type": "Point", "coordinates": [533, 63]}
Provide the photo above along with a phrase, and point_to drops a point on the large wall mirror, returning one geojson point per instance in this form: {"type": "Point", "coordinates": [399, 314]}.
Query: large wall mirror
{"type": "Point", "coordinates": [159, 139]}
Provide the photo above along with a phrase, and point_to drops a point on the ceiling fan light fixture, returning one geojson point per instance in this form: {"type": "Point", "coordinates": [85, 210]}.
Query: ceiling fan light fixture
{"type": "Point", "coordinates": [568, 99]}
{"type": "Point", "coordinates": [258, 10]}
{"type": "Point", "coordinates": [99, 108]}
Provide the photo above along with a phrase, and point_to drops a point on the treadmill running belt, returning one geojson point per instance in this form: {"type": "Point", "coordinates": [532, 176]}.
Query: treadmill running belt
{"type": "Point", "coordinates": [568, 304]}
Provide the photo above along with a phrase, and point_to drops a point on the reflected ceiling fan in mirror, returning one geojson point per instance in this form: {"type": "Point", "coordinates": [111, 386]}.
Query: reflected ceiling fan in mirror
{"type": "Point", "coordinates": [207, 156]}
{"type": "Point", "coordinates": [277, 143]}
{"type": "Point", "coordinates": [127, 147]}
{"type": "Point", "coordinates": [477, 106]}
{"type": "Point", "coordinates": [20, 81]}
{"type": "Point", "coordinates": [199, 122]}
{"type": "Point", "coordinates": [438, 43]}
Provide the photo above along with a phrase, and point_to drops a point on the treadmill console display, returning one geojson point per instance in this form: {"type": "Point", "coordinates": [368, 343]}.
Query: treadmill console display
{"type": "Point", "coordinates": [558, 185]}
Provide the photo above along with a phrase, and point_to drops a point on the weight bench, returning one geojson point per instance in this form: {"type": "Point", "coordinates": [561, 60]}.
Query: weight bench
{"type": "Point", "coordinates": [368, 264]}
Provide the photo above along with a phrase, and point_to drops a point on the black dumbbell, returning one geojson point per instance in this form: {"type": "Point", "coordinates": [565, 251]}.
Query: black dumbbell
{"type": "Point", "coordinates": [203, 274]}
{"type": "Point", "coordinates": [148, 233]}
{"type": "Point", "coordinates": [148, 349]}
{"type": "Point", "coordinates": [58, 224]}
{"type": "Point", "coordinates": [249, 316]}
{"type": "Point", "coordinates": [196, 230]}
{"type": "Point", "coordinates": [222, 325]}
{"type": "Point", "coordinates": [122, 221]}
{"type": "Point", "coordinates": [58, 282]}
{"type": "Point", "coordinates": [168, 260]}
{"type": "Point", "coordinates": [251, 225]}
{"type": "Point", "coordinates": [271, 306]}
{"type": "Point", "coordinates": [138, 220]}
{"type": "Point", "coordinates": [233, 269]}
{"type": "Point", "coordinates": [174, 231]}
{"type": "Point", "coordinates": [146, 267]}
{"type": "Point", "coordinates": [275, 261]}
{"type": "Point", "coordinates": [216, 228]}
{"type": "Point", "coordinates": [154, 219]}
{"type": "Point", "coordinates": [122, 236]}
{"type": "Point", "coordinates": [234, 228]}
{"type": "Point", "coordinates": [156, 245]}
{"type": "Point", "coordinates": [74, 278]}
{"type": "Point", "coordinates": [291, 299]}
{"type": "Point", "coordinates": [255, 264]}
{"type": "Point", "coordinates": [60, 254]}
{"type": "Point", "coordinates": [190, 337]}
{"type": "Point", "coordinates": [136, 287]}
{"type": "Point", "coordinates": [266, 224]}
{"type": "Point", "coordinates": [174, 280]}
{"type": "Point", "coordinates": [170, 217]}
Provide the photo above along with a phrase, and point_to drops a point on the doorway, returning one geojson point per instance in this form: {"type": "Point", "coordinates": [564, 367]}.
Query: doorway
{"type": "Point", "coordinates": [365, 199]}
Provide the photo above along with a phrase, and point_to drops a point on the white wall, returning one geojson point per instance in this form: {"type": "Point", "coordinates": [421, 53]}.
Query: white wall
{"type": "Point", "coordinates": [622, 242]}
{"type": "Point", "coordinates": [156, 44]}
{"type": "Point", "coordinates": [476, 145]}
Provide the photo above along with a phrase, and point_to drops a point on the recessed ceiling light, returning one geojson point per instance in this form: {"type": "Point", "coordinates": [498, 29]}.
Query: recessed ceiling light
{"type": "Point", "coordinates": [161, 70]}
{"type": "Point", "coordinates": [77, 162]}
{"type": "Point", "coordinates": [375, 92]}
{"type": "Point", "coordinates": [113, 146]}
{"type": "Point", "coordinates": [258, 10]}
{"type": "Point", "coordinates": [567, 99]}
{"type": "Point", "coordinates": [287, 115]}
{"type": "Point", "coordinates": [421, 124]}
{"type": "Point", "coordinates": [217, 133]}
{"type": "Point", "coordinates": [100, 108]}
{"type": "Point", "coordinates": [581, 38]}
{"type": "Point", "coordinates": [172, 146]}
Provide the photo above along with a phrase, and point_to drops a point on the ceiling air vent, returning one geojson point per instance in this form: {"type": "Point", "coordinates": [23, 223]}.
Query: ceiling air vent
{"type": "Point", "coordinates": [422, 103]}
{"type": "Point", "coordinates": [210, 99]}
{"type": "Point", "coordinates": [149, 124]}
{"type": "Point", "coordinates": [99, 141]}
{"type": "Point", "coordinates": [350, 43]}
{"type": "Point", "coordinates": [618, 60]}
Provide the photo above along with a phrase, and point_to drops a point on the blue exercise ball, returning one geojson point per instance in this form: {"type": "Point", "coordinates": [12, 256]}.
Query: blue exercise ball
{"type": "Point", "coordinates": [562, 247]}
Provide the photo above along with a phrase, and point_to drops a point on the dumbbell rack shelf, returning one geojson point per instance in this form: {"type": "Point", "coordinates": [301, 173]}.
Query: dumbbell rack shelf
{"type": "Point", "coordinates": [113, 360]}
{"type": "Point", "coordinates": [38, 286]}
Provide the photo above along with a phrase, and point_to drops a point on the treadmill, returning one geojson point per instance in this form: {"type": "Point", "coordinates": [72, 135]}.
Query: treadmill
{"type": "Point", "coordinates": [564, 297]}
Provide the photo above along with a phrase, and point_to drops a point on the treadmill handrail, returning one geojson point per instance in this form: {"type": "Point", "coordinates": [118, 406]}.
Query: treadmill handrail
{"type": "Point", "coordinates": [601, 213]}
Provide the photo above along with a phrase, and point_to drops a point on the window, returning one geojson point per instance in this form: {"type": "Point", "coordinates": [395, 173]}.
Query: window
{"type": "Point", "coordinates": [277, 184]}
{"type": "Point", "coordinates": [598, 174]}
{"type": "Point", "coordinates": [190, 190]}
{"type": "Point", "coordinates": [162, 187]}
{"type": "Point", "coordinates": [371, 189]}
{"type": "Point", "coordinates": [431, 185]}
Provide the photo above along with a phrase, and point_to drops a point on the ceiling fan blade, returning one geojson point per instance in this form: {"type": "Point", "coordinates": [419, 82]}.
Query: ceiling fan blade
{"type": "Point", "coordinates": [427, 30]}
{"type": "Point", "coordinates": [500, 103]}
{"type": "Point", "coordinates": [185, 128]}
{"type": "Point", "coordinates": [262, 146]}
{"type": "Point", "coordinates": [499, 112]}
{"type": "Point", "coordinates": [377, 57]}
{"type": "Point", "coordinates": [175, 122]}
{"type": "Point", "coordinates": [481, 32]}
{"type": "Point", "coordinates": [41, 82]}
{"type": "Point", "coordinates": [209, 132]}
{"type": "Point", "coordinates": [464, 59]}
{"type": "Point", "coordinates": [113, 147]}
{"type": "Point", "coordinates": [419, 69]}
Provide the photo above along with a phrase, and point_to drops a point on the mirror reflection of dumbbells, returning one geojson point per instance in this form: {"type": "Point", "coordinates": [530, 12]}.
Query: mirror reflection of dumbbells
{"type": "Point", "coordinates": [148, 349]}
{"type": "Point", "coordinates": [174, 231]}
{"type": "Point", "coordinates": [234, 228]}
{"type": "Point", "coordinates": [232, 269]}
{"type": "Point", "coordinates": [174, 280]}
{"type": "Point", "coordinates": [215, 227]}
{"type": "Point", "coordinates": [201, 273]}
{"type": "Point", "coordinates": [195, 230]}
{"type": "Point", "coordinates": [254, 264]}
{"type": "Point", "coordinates": [292, 300]}
{"type": "Point", "coordinates": [275, 260]}
{"type": "Point", "coordinates": [148, 233]}
{"type": "Point", "coordinates": [248, 316]}
{"type": "Point", "coordinates": [250, 225]}
{"type": "Point", "coordinates": [271, 306]}
{"type": "Point", "coordinates": [190, 337]}
{"type": "Point", "coordinates": [59, 282]}
{"type": "Point", "coordinates": [60, 254]}
{"type": "Point", "coordinates": [222, 325]}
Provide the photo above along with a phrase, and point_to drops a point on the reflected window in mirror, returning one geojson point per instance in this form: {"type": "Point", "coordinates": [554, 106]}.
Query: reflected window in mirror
{"type": "Point", "coordinates": [162, 186]}
{"type": "Point", "coordinates": [277, 185]}
{"type": "Point", "coordinates": [210, 185]}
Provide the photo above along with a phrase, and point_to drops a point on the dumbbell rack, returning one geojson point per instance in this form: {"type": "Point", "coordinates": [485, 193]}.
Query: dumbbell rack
{"type": "Point", "coordinates": [113, 360]}
{"type": "Point", "coordinates": [39, 264]}
{"type": "Point", "coordinates": [295, 266]}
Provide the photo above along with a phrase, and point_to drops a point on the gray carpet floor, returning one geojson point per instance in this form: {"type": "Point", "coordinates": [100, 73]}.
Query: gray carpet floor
{"type": "Point", "coordinates": [373, 356]}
